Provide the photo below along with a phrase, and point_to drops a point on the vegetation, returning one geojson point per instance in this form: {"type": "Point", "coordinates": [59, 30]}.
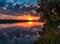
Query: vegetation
{"type": "Point", "coordinates": [50, 13]}
{"type": "Point", "coordinates": [52, 37]}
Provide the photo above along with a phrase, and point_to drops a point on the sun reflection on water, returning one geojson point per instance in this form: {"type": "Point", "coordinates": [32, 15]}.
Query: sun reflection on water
{"type": "Point", "coordinates": [30, 23]}
{"type": "Point", "coordinates": [23, 24]}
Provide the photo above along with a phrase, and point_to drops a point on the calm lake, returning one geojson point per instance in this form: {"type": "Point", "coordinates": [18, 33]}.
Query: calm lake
{"type": "Point", "coordinates": [24, 32]}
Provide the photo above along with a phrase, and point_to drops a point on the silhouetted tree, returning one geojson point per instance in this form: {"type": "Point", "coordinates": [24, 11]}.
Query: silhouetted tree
{"type": "Point", "coordinates": [50, 11]}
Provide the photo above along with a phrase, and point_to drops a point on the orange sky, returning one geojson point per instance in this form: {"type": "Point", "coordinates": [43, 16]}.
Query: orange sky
{"type": "Point", "coordinates": [23, 17]}
{"type": "Point", "coordinates": [27, 17]}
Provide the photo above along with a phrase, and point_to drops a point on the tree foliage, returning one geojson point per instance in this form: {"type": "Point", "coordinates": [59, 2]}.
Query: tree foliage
{"type": "Point", "coordinates": [51, 12]}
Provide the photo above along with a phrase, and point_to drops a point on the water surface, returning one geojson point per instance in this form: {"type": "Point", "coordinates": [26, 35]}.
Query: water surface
{"type": "Point", "coordinates": [23, 32]}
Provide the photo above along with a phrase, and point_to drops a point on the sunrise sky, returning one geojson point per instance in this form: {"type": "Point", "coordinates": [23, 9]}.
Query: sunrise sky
{"type": "Point", "coordinates": [22, 17]}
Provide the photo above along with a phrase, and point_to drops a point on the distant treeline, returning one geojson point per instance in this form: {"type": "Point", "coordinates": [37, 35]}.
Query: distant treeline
{"type": "Point", "coordinates": [15, 21]}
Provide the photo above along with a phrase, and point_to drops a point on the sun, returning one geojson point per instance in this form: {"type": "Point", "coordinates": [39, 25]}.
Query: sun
{"type": "Point", "coordinates": [30, 18]}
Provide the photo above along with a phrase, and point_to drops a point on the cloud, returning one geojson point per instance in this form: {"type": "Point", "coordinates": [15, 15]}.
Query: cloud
{"type": "Point", "coordinates": [33, 11]}
{"type": "Point", "coordinates": [37, 6]}
{"type": "Point", "coordinates": [26, 5]}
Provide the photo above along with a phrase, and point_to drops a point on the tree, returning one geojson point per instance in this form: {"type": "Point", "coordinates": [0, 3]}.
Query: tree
{"type": "Point", "coordinates": [51, 12]}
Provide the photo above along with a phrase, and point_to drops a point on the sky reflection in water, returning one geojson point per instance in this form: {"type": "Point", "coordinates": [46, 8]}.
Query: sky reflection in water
{"type": "Point", "coordinates": [28, 25]}
{"type": "Point", "coordinates": [23, 24]}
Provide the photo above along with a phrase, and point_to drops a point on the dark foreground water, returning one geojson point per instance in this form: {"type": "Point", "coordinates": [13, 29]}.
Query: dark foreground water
{"type": "Point", "coordinates": [20, 33]}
